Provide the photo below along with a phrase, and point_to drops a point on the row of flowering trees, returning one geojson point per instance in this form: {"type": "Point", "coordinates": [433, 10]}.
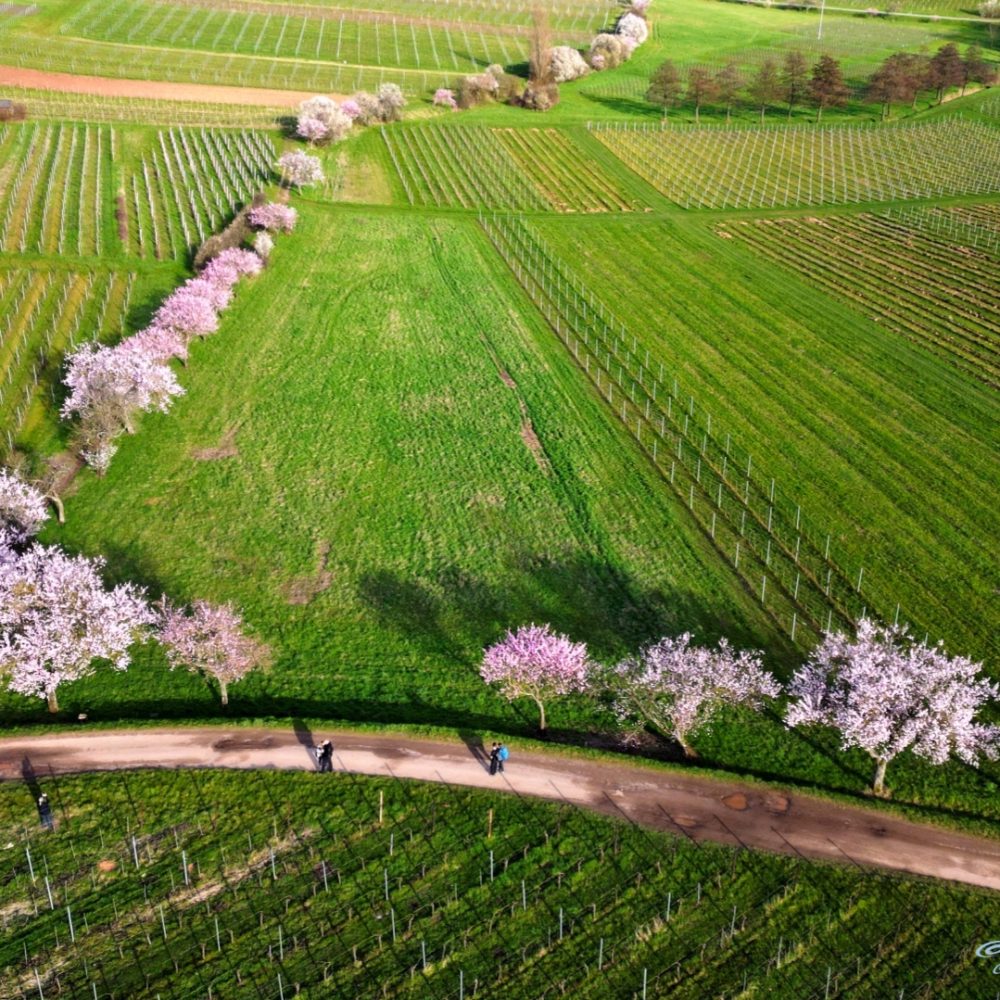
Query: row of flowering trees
{"type": "Point", "coordinates": [321, 120]}
{"type": "Point", "coordinates": [881, 691]}
{"type": "Point", "coordinates": [110, 386]}
{"type": "Point", "coordinates": [58, 619]}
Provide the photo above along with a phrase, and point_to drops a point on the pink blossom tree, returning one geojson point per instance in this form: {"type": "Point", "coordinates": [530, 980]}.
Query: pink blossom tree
{"type": "Point", "coordinates": [228, 267]}
{"type": "Point", "coordinates": [108, 386]}
{"type": "Point", "coordinates": [273, 216]}
{"type": "Point", "coordinates": [188, 313]}
{"type": "Point", "coordinates": [351, 108]}
{"type": "Point", "coordinates": [299, 169]}
{"type": "Point", "coordinates": [23, 510]}
{"type": "Point", "coordinates": [321, 119]}
{"type": "Point", "coordinates": [219, 294]}
{"type": "Point", "coordinates": [535, 662]}
{"type": "Point", "coordinates": [445, 98]}
{"type": "Point", "coordinates": [677, 688]}
{"type": "Point", "coordinates": [158, 343]}
{"type": "Point", "coordinates": [57, 618]}
{"type": "Point", "coordinates": [885, 693]}
{"type": "Point", "coordinates": [210, 640]}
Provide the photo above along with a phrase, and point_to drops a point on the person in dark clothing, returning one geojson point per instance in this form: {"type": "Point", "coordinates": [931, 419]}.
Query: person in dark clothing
{"type": "Point", "coordinates": [45, 812]}
{"type": "Point", "coordinates": [326, 756]}
{"type": "Point", "coordinates": [494, 758]}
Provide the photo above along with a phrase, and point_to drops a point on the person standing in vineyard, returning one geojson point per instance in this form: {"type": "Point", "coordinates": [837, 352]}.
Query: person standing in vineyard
{"type": "Point", "coordinates": [494, 758]}
{"type": "Point", "coordinates": [502, 754]}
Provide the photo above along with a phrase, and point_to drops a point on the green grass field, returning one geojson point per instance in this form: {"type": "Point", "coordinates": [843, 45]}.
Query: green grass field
{"type": "Point", "coordinates": [337, 886]}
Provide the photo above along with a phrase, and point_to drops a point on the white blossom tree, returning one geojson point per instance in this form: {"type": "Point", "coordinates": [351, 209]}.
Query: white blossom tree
{"type": "Point", "coordinates": [23, 510]}
{"type": "Point", "coordinates": [210, 640]}
{"type": "Point", "coordinates": [535, 662]}
{"type": "Point", "coordinates": [57, 618]}
{"type": "Point", "coordinates": [677, 688]}
{"type": "Point", "coordinates": [566, 63]}
{"type": "Point", "coordinates": [885, 693]}
{"type": "Point", "coordinates": [299, 169]}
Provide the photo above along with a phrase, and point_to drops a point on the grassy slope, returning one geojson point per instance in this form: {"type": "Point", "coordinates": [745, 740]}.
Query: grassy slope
{"type": "Point", "coordinates": [381, 454]}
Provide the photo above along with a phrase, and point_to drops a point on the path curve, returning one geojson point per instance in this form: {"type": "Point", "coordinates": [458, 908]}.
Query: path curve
{"type": "Point", "coordinates": [163, 90]}
{"type": "Point", "coordinates": [697, 806]}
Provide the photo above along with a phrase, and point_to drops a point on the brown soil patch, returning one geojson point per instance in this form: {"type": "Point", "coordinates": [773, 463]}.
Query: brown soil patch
{"type": "Point", "coordinates": [530, 438]}
{"type": "Point", "coordinates": [776, 804]}
{"type": "Point", "coordinates": [303, 589]}
{"type": "Point", "coordinates": [62, 470]}
{"type": "Point", "coordinates": [226, 448]}
{"type": "Point", "coordinates": [737, 801]}
{"type": "Point", "coordinates": [107, 866]}
{"type": "Point", "coordinates": [162, 90]}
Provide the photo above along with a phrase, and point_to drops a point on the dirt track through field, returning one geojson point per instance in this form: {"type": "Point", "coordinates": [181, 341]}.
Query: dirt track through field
{"type": "Point", "coordinates": [161, 90]}
{"type": "Point", "coordinates": [690, 805]}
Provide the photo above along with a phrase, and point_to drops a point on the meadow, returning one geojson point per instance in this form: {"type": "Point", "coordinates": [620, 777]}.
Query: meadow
{"type": "Point", "coordinates": [233, 884]}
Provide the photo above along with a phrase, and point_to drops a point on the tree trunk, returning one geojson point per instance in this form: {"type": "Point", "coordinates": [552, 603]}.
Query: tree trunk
{"type": "Point", "coordinates": [53, 702]}
{"type": "Point", "coordinates": [729, 111]}
{"type": "Point", "coordinates": [878, 785]}
{"type": "Point", "coordinates": [697, 116]}
{"type": "Point", "coordinates": [541, 714]}
{"type": "Point", "coordinates": [224, 691]}
{"type": "Point", "coordinates": [762, 107]}
{"type": "Point", "coordinates": [819, 114]}
{"type": "Point", "coordinates": [58, 504]}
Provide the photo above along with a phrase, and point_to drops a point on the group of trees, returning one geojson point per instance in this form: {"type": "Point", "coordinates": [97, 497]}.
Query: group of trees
{"type": "Point", "coordinates": [321, 120]}
{"type": "Point", "coordinates": [881, 691]}
{"type": "Point", "coordinates": [109, 386]}
{"type": "Point", "coordinates": [902, 77]}
{"type": "Point", "coordinates": [549, 65]}
{"type": "Point", "coordinates": [899, 80]}
{"type": "Point", "coordinates": [58, 620]}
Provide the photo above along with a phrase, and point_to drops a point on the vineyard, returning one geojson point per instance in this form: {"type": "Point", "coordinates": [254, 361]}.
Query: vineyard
{"type": "Point", "coordinates": [44, 313]}
{"type": "Point", "coordinates": [228, 884]}
{"type": "Point", "coordinates": [937, 292]}
{"type": "Point", "coordinates": [58, 195]}
{"type": "Point", "coordinates": [767, 168]}
{"type": "Point", "coordinates": [706, 407]}
{"type": "Point", "coordinates": [511, 169]}
{"type": "Point", "coordinates": [188, 184]}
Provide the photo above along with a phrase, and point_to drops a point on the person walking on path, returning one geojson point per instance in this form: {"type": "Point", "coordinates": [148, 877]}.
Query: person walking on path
{"type": "Point", "coordinates": [324, 756]}
{"type": "Point", "coordinates": [502, 754]}
{"type": "Point", "coordinates": [494, 759]}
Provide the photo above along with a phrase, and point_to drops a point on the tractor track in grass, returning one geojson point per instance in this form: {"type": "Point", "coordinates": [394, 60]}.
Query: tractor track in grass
{"type": "Point", "coordinates": [695, 806]}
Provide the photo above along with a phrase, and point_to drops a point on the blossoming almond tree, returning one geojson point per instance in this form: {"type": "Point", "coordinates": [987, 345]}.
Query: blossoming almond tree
{"type": "Point", "coordinates": [885, 694]}
{"type": "Point", "coordinates": [677, 687]}
{"type": "Point", "coordinates": [535, 662]}
{"type": "Point", "coordinates": [23, 510]}
{"type": "Point", "coordinates": [210, 640]}
{"type": "Point", "coordinates": [57, 618]}
{"type": "Point", "coordinates": [273, 216]}
{"type": "Point", "coordinates": [299, 169]}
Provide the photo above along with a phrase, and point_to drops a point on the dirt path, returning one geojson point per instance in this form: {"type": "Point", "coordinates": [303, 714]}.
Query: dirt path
{"type": "Point", "coordinates": [696, 806]}
{"type": "Point", "coordinates": [163, 90]}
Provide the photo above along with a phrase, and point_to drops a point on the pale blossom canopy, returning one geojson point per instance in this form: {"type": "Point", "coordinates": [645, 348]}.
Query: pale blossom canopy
{"type": "Point", "coordinates": [567, 64]}
{"type": "Point", "coordinates": [23, 510]}
{"type": "Point", "coordinates": [57, 618]}
{"type": "Point", "coordinates": [117, 382]}
{"type": "Point", "coordinates": [188, 313]}
{"type": "Point", "coordinates": [885, 693]}
{"type": "Point", "coordinates": [678, 687]}
{"type": "Point", "coordinates": [274, 216]}
{"type": "Point", "coordinates": [210, 639]}
{"type": "Point", "coordinates": [300, 169]}
{"type": "Point", "coordinates": [632, 26]}
{"type": "Point", "coordinates": [443, 97]}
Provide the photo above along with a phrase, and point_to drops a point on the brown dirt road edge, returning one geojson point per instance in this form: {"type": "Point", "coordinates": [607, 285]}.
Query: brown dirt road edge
{"type": "Point", "coordinates": [162, 90]}
{"type": "Point", "coordinates": [689, 805]}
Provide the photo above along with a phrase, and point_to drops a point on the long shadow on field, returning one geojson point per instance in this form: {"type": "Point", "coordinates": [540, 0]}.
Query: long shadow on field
{"type": "Point", "coordinates": [584, 596]}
